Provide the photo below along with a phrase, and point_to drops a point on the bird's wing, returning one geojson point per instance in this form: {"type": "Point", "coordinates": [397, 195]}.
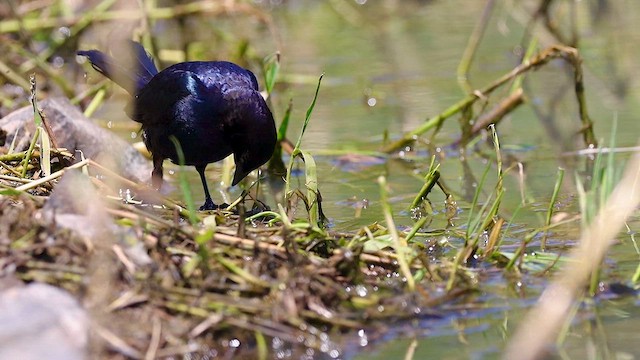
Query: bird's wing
{"type": "Point", "coordinates": [154, 103]}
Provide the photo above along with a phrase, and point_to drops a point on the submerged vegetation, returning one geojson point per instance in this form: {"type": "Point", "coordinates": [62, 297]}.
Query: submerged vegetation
{"type": "Point", "coordinates": [284, 282]}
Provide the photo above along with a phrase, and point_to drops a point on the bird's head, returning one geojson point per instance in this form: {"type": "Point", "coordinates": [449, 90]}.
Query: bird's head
{"type": "Point", "coordinates": [254, 145]}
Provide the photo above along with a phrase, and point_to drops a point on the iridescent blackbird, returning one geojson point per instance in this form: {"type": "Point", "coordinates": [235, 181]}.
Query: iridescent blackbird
{"type": "Point", "coordinates": [212, 108]}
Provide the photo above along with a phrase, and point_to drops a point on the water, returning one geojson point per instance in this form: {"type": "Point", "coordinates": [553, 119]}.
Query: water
{"type": "Point", "coordinates": [405, 58]}
{"type": "Point", "coordinates": [388, 66]}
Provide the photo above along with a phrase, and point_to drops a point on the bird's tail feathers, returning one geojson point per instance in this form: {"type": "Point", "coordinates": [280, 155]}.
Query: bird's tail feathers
{"type": "Point", "coordinates": [132, 73]}
{"type": "Point", "coordinates": [145, 63]}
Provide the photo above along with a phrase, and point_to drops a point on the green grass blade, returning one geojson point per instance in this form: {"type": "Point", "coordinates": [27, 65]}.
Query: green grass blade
{"type": "Point", "coordinates": [552, 201]}
{"type": "Point", "coordinates": [95, 102]}
{"type": "Point", "coordinates": [276, 164]}
{"type": "Point", "coordinates": [430, 181]}
{"type": "Point", "coordinates": [309, 112]}
{"type": "Point", "coordinates": [284, 125]}
{"type": "Point", "coordinates": [184, 183]}
{"type": "Point", "coordinates": [474, 203]}
{"type": "Point", "coordinates": [261, 345]}
{"type": "Point", "coordinates": [32, 146]}
{"type": "Point", "coordinates": [299, 141]}
{"type": "Point", "coordinates": [311, 183]}
{"type": "Point", "coordinates": [271, 70]}
{"type": "Point", "coordinates": [400, 244]}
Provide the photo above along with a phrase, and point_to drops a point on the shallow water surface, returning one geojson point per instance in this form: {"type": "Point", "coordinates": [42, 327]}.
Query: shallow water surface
{"type": "Point", "coordinates": [391, 67]}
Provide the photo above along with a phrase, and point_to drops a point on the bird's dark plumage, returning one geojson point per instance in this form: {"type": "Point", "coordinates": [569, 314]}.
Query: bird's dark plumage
{"type": "Point", "coordinates": [213, 109]}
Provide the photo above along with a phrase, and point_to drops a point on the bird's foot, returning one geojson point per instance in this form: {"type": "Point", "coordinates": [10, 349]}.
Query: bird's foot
{"type": "Point", "coordinates": [210, 205]}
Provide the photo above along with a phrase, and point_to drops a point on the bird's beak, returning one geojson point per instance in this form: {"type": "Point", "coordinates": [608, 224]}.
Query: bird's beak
{"type": "Point", "coordinates": [239, 174]}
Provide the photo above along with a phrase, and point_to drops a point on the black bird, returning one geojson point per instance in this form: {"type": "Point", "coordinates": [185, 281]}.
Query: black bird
{"type": "Point", "coordinates": [213, 109]}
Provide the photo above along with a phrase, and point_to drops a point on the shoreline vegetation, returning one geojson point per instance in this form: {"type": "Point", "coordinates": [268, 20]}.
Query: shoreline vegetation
{"type": "Point", "coordinates": [160, 279]}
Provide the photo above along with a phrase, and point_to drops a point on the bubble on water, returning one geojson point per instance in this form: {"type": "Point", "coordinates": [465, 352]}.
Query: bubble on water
{"type": "Point", "coordinates": [64, 31]}
{"type": "Point", "coordinates": [126, 194]}
{"type": "Point", "coordinates": [363, 339]}
{"type": "Point", "coordinates": [234, 343]}
{"type": "Point", "coordinates": [276, 343]}
{"type": "Point", "coordinates": [57, 62]}
{"type": "Point", "coordinates": [361, 290]}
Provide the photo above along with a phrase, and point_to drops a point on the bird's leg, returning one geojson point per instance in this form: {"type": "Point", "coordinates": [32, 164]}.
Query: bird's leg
{"type": "Point", "coordinates": [156, 174]}
{"type": "Point", "coordinates": [208, 203]}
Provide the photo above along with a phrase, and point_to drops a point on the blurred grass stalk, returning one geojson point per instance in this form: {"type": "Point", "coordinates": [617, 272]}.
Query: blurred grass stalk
{"type": "Point", "coordinates": [569, 54]}
{"type": "Point", "coordinates": [542, 324]}
{"type": "Point", "coordinates": [472, 47]}
{"type": "Point", "coordinates": [100, 13]}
